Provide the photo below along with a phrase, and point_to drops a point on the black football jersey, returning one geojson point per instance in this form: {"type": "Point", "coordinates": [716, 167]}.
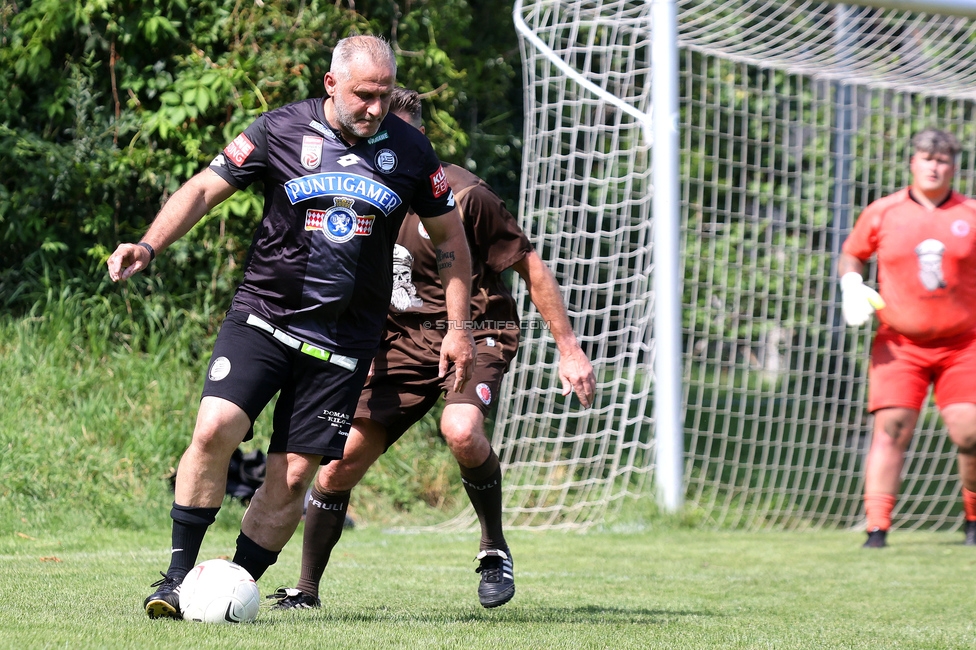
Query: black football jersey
{"type": "Point", "coordinates": [321, 262]}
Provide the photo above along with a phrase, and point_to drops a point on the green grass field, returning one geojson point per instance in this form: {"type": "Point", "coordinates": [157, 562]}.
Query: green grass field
{"type": "Point", "coordinates": [89, 432]}
{"type": "Point", "coordinates": [83, 588]}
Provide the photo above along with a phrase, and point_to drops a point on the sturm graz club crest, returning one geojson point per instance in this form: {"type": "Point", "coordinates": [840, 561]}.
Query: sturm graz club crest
{"type": "Point", "coordinates": [385, 161]}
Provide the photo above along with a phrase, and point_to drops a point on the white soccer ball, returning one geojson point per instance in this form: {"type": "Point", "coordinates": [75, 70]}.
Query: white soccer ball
{"type": "Point", "coordinates": [218, 591]}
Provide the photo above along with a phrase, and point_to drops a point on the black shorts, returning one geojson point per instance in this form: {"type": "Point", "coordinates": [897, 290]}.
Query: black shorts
{"type": "Point", "coordinates": [398, 397]}
{"type": "Point", "coordinates": [317, 398]}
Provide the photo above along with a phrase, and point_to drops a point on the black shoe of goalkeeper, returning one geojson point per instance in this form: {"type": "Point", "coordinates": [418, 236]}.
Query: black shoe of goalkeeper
{"type": "Point", "coordinates": [876, 539]}
{"type": "Point", "coordinates": [294, 599]}
{"type": "Point", "coordinates": [497, 577]}
{"type": "Point", "coordinates": [165, 601]}
{"type": "Point", "coordinates": [970, 533]}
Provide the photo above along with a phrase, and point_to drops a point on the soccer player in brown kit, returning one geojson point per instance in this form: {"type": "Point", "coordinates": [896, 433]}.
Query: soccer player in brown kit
{"type": "Point", "coordinates": [405, 383]}
{"type": "Point", "coordinates": [308, 316]}
{"type": "Point", "coordinates": [924, 237]}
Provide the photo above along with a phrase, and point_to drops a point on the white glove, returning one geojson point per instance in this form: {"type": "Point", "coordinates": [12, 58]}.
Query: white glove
{"type": "Point", "coordinates": [859, 301]}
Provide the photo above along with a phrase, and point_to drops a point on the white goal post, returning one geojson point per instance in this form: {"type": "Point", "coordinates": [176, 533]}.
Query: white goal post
{"type": "Point", "coordinates": [788, 117]}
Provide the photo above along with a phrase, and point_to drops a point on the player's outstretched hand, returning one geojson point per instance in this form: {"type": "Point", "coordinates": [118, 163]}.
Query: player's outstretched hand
{"type": "Point", "coordinates": [859, 301]}
{"type": "Point", "coordinates": [127, 260]}
{"type": "Point", "coordinates": [576, 373]}
{"type": "Point", "coordinates": [458, 347]}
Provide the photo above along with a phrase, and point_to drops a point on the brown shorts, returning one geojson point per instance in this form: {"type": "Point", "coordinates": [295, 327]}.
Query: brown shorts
{"type": "Point", "coordinates": [398, 396]}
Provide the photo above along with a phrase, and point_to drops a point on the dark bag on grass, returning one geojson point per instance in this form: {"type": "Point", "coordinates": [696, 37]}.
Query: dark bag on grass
{"type": "Point", "coordinates": [245, 474]}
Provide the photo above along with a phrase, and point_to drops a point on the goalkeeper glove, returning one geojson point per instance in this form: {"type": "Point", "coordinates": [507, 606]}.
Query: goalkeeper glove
{"type": "Point", "coordinates": [859, 301]}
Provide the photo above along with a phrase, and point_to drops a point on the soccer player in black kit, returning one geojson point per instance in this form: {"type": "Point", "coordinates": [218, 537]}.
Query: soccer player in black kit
{"type": "Point", "coordinates": [307, 318]}
{"type": "Point", "coordinates": [404, 384]}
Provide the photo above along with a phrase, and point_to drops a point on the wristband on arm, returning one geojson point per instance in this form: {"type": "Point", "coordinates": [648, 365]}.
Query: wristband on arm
{"type": "Point", "coordinates": [152, 253]}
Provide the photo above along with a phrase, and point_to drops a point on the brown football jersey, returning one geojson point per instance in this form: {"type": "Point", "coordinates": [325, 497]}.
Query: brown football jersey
{"type": "Point", "coordinates": [417, 321]}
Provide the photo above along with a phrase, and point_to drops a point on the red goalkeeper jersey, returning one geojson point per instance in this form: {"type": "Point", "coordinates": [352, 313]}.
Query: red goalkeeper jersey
{"type": "Point", "coordinates": [926, 263]}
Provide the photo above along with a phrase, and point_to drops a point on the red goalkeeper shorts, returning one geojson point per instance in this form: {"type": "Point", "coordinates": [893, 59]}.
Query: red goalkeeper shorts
{"type": "Point", "coordinates": [901, 370]}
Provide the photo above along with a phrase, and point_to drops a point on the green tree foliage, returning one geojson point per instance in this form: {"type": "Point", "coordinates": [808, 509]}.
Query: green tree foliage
{"type": "Point", "coordinates": [109, 106]}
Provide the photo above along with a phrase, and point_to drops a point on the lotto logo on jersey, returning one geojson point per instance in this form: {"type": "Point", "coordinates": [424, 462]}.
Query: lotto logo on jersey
{"type": "Point", "coordinates": [438, 183]}
{"type": "Point", "coordinates": [311, 152]}
{"type": "Point", "coordinates": [239, 149]}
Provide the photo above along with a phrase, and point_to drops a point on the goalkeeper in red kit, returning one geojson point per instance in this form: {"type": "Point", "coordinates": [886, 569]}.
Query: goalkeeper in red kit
{"type": "Point", "coordinates": [924, 240]}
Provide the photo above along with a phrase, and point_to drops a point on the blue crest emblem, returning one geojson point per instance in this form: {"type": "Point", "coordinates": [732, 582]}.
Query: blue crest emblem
{"type": "Point", "coordinates": [339, 222]}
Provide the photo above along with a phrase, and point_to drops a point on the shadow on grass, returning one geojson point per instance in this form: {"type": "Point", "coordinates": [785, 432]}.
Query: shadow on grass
{"type": "Point", "coordinates": [587, 614]}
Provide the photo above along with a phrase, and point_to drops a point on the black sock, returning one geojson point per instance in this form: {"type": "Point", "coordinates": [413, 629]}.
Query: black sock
{"type": "Point", "coordinates": [324, 521]}
{"type": "Point", "coordinates": [256, 559]}
{"type": "Point", "coordinates": [189, 527]}
{"type": "Point", "coordinates": [484, 487]}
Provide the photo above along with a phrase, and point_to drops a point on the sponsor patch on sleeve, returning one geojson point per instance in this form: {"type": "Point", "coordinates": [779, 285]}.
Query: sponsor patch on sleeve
{"type": "Point", "coordinates": [311, 151]}
{"type": "Point", "coordinates": [239, 149]}
{"type": "Point", "coordinates": [438, 183]}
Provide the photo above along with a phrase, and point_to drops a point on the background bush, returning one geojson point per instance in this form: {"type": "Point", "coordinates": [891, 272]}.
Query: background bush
{"type": "Point", "coordinates": [108, 107]}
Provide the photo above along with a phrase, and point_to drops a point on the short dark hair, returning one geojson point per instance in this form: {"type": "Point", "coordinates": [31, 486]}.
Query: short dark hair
{"type": "Point", "coordinates": [404, 100]}
{"type": "Point", "coordinates": [936, 141]}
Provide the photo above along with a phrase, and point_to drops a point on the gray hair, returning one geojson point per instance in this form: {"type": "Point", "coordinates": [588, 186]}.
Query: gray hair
{"type": "Point", "coordinates": [936, 141]}
{"type": "Point", "coordinates": [372, 47]}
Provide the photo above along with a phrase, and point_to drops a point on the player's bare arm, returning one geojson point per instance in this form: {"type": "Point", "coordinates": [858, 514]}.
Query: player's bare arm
{"type": "Point", "coordinates": [575, 370]}
{"type": "Point", "coordinates": [454, 266]}
{"type": "Point", "coordinates": [849, 264]}
{"type": "Point", "coordinates": [180, 213]}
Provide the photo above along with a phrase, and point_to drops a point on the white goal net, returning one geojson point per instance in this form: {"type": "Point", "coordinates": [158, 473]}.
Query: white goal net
{"type": "Point", "coordinates": [793, 117]}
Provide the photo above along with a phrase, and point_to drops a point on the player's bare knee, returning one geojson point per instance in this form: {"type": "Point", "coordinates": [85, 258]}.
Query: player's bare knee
{"type": "Point", "coordinates": [288, 476]}
{"type": "Point", "coordinates": [967, 449]}
{"type": "Point", "coordinates": [461, 429]}
{"type": "Point", "coordinates": [470, 447]}
{"type": "Point", "coordinates": [215, 442]}
{"type": "Point", "coordinates": [960, 420]}
{"type": "Point", "coordinates": [456, 436]}
{"type": "Point", "coordinates": [964, 440]}
{"type": "Point", "coordinates": [898, 425]}
{"type": "Point", "coordinates": [277, 495]}
{"type": "Point", "coordinates": [341, 475]}
{"type": "Point", "coordinates": [462, 441]}
{"type": "Point", "coordinates": [296, 486]}
{"type": "Point", "coordinates": [895, 432]}
{"type": "Point", "coordinates": [218, 433]}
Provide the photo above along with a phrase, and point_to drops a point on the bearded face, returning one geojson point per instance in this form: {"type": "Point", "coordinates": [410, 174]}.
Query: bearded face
{"type": "Point", "coordinates": [361, 98]}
